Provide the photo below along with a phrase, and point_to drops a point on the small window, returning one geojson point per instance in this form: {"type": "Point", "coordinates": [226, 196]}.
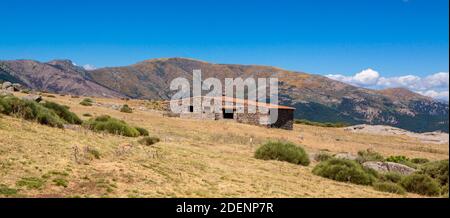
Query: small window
{"type": "Point", "coordinates": [191, 109]}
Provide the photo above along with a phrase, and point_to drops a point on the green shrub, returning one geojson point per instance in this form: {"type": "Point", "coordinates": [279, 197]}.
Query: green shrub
{"type": "Point", "coordinates": [61, 182]}
{"type": "Point", "coordinates": [111, 125]}
{"type": "Point", "coordinates": [369, 155]}
{"type": "Point", "coordinates": [148, 140]}
{"type": "Point", "coordinates": [63, 112]}
{"type": "Point", "coordinates": [344, 171]}
{"type": "Point", "coordinates": [282, 151]}
{"type": "Point", "coordinates": [437, 170]}
{"type": "Point", "coordinates": [397, 159]}
{"type": "Point", "coordinates": [391, 177]}
{"type": "Point", "coordinates": [419, 160]}
{"type": "Point", "coordinates": [142, 131]}
{"type": "Point", "coordinates": [322, 157]}
{"type": "Point", "coordinates": [312, 123]}
{"type": "Point", "coordinates": [49, 118]}
{"type": "Point", "coordinates": [87, 102]}
{"type": "Point", "coordinates": [29, 110]}
{"type": "Point", "coordinates": [126, 109]}
{"type": "Point", "coordinates": [420, 184]}
{"type": "Point", "coordinates": [30, 182]}
{"type": "Point", "coordinates": [6, 191]}
{"type": "Point", "coordinates": [389, 187]}
{"type": "Point", "coordinates": [444, 191]}
{"type": "Point", "coordinates": [93, 152]}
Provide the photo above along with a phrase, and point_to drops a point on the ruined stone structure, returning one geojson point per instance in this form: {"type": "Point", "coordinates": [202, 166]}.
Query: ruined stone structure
{"type": "Point", "coordinates": [261, 116]}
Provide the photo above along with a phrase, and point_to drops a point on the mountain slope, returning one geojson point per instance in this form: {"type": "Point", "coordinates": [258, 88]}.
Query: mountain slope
{"type": "Point", "coordinates": [315, 97]}
{"type": "Point", "coordinates": [59, 76]}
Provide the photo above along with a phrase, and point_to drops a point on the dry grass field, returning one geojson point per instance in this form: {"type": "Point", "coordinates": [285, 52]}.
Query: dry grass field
{"type": "Point", "coordinates": [194, 158]}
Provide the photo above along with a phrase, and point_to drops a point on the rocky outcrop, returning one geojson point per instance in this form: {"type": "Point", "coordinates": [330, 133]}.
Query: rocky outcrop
{"type": "Point", "coordinates": [6, 85]}
{"type": "Point", "coordinates": [346, 156]}
{"type": "Point", "coordinates": [31, 97]}
{"type": "Point", "coordinates": [385, 167]}
{"type": "Point", "coordinates": [10, 87]}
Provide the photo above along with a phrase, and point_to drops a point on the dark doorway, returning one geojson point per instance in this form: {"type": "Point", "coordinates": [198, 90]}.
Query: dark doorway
{"type": "Point", "coordinates": [228, 114]}
{"type": "Point", "coordinates": [191, 108]}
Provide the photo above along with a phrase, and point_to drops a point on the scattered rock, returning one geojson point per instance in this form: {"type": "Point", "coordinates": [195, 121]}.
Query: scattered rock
{"type": "Point", "coordinates": [428, 137]}
{"type": "Point", "coordinates": [6, 85]}
{"type": "Point", "coordinates": [385, 167]}
{"type": "Point", "coordinates": [17, 87]}
{"type": "Point", "coordinates": [346, 156]}
{"type": "Point", "coordinates": [5, 92]}
{"type": "Point", "coordinates": [30, 97]}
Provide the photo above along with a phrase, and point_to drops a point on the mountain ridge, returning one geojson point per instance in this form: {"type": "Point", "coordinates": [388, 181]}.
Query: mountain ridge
{"type": "Point", "coordinates": [315, 97]}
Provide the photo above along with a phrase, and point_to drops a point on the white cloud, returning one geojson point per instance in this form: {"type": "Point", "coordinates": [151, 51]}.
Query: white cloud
{"type": "Point", "coordinates": [89, 67]}
{"type": "Point", "coordinates": [366, 77]}
{"type": "Point", "coordinates": [437, 80]}
{"type": "Point", "coordinates": [408, 81]}
{"type": "Point", "coordinates": [443, 95]}
{"type": "Point", "coordinates": [435, 85]}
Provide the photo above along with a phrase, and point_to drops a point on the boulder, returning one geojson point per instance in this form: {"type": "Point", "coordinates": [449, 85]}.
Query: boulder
{"type": "Point", "coordinates": [6, 85]}
{"type": "Point", "coordinates": [346, 156]}
{"type": "Point", "coordinates": [17, 87]}
{"type": "Point", "coordinates": [385, 167]}
{"type": "Point", "coordinates": [36, 98]}
{"type": "Point", "coordinates": [5, 93]}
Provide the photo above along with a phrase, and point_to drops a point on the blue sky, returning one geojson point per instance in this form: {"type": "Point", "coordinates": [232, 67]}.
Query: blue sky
{"type": "Point", "coordinates": [392, 37]}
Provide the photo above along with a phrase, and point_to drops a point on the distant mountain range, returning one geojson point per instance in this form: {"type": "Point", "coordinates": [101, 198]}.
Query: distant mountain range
{"type": "Point", "coordinates": [315, 97]}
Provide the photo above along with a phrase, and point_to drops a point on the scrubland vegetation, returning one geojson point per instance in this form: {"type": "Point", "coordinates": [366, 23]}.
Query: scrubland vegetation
{"type": "Point", "coordinates": [110, 156]}
{"type": "Point", "coordinates": [283, 151]}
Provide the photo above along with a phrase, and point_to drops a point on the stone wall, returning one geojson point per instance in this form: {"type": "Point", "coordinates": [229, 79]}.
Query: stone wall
{"type": "Point", "coordinates": [285, 117]}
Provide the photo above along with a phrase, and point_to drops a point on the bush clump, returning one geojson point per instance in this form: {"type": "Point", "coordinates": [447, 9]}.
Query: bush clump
{"type": "Point", "coordinates": [283, 151]}
{"type": "Point", "coordinates": [93, 152]}
{"type": "Point", "coordinates": [63, 112]}
{"type": "Point", "coordinates": [30, 182]}
{"type": "Point", "coordinates": [419, 160]}
{"type": "Point", "coordinates": [421, 184]}
{"type": "Point", "coordinates": [322, 156]}
{"type": "Point", "coordinates": [437, 170]}
{"type": "Point", "coordinates": [126, 109]}
{"type": "Point", "coordinates": [369, 155]}
{"type": "Point", "coordinates": [391, 177]}
{"type": "Point", "coordinates": [149, 140]}
{"type": "Point", "coordinates": [61, 182]}
{"type": "Point", "coordinates": [142, 131]}
{"type": "Point", "coordinates": [6, 191]}
{"type": "Point", "coordinates": [29, 110]}
{"type": "Point", "coordinates": [327, 124]}
{"type": "Point", "coordinates": [389, 187]}
{"type": "Point", "coordinates": [344, 171]}
{"type": "Point", "coordinates": [111, 125]}
{"type": "Point", "coordinates": [87, 102]}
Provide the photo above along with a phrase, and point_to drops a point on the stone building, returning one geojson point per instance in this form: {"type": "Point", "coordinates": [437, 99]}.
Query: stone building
{"type": "Point", "coordinates": [238, 110]}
